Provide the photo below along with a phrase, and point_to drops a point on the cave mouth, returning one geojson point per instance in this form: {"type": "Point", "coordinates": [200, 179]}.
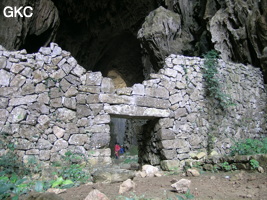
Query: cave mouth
{"type": "Point", "coordinates": [102, 35]}
{"type": "Point", "coordinates": [136, 135]}
{"type": "Point", "coordinates": [119, 51]}
{"type": "Point", "coordinates": [121, 54]}
{"type": "Point", "coordinates": [34, 42]}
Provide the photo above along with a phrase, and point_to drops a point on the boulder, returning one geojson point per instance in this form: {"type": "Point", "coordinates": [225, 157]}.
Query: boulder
{"type": "Point", "coordinates": [170, 165]}
{"type": "Point", "coordinates": [111, 175]}
{"type": "Point", "coordinates": [161, 34]}
{"type": "Point", "coordinates": [192, 172]}
{"type": "Point", "coordinates": [96, 195]}
{"type": "Point", "coordinates": [39, 26]}
{"type": "Point", "coordinates": [182, 186]}
{"type": "Point", "coordinates": [150, 170]}
{"type": "Point", "coordinates": [126, 186]}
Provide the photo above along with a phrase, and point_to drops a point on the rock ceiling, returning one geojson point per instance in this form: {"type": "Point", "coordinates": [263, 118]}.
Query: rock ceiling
{"type": "Point", "coordinates": [103, 34]}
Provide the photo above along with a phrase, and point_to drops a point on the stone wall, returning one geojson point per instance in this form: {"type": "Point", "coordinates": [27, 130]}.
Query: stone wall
{"type": "Point", "coordinates": [49, 104]}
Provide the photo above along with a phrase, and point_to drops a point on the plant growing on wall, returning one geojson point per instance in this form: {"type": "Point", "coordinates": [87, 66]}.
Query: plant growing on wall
{"type": "Point", "coordinates": [212, 81]}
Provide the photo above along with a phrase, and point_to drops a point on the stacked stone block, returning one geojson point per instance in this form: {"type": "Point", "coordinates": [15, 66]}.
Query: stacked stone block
{"type": "Point", "coordinates": [49, 105]}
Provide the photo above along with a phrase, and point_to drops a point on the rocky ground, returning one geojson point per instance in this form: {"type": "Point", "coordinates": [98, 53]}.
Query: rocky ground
{"type": "Point", "coordinates": [231, 185]}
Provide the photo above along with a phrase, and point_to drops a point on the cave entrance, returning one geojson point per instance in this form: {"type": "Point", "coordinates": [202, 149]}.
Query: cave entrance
{"type": "Point", "coordinates": [137, 136]}
{"type": "Point", "coordinates": [33, 42]}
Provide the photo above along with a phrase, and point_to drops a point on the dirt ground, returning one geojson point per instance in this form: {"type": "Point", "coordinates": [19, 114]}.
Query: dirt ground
{"type": "Point", "coordinates": [227, 185]}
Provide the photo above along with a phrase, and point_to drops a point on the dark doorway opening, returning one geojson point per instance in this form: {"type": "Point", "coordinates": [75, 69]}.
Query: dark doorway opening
{"type": "Point", "coordinates": [137, 137]}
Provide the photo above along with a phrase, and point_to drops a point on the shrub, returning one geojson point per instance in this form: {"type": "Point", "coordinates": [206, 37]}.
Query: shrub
{"type": "Point", "coordinates": [227, 167]}
{"type": "Point", "coordinates": [11, 164]}
{"type": "Point", "coordinates": [212, 80]}
{"type": "Point", "coordinates": [249, 147]}
{"type": "Point", "coordinates": [12, 187]}
{"type": "Point", "coordinates": [254, 164]}
{"type": "Point", "coordinates": [74, 172]}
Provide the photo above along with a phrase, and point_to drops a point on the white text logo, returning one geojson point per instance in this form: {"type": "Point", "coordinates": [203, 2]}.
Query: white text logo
{"type": "Point", "coordinates": [20, 11]}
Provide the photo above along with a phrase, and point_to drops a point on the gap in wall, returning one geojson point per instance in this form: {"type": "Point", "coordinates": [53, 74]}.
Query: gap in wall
{"type": "Point", "coordinates": [134, 134]}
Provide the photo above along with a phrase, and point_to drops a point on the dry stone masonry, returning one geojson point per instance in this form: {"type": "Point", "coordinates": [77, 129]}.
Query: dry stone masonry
{"type": "Point", "coordinates": [49, 105]}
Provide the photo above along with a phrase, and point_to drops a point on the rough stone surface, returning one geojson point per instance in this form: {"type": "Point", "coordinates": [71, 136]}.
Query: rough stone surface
{"type": "Point", "coordinates": [39, 26]}
{"type": "Point", "coordinates": [170, 165]}
{"type": "Point", "coordinates": [127, 186]}
{"type": "Point", "coordinates": [59, 132]}
{"type": "Point", "coordinates": [47, 109]}
{"type": "Point", "coordinates": [150, 170]}
{"type": "Point", "coordinates": [192, 172]}
{"type": "Point", "coordinates": [112, 175]}
{"type": "Point", "coordinates": [96, 195]}
{"type": "Point", "coordinates": [182, 186]}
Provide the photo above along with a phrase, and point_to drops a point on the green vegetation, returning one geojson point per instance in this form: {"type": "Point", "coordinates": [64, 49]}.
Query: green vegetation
{"type": "Point", "coordinates": [254, 164]}
{"type": "Point", "coordinates": [133, 197]}
{"type": "Point", "coordinates": [10, 164]}
{"type": "Point", "coordinates": [133, 150]}
{"type": "Point", "coordinates": [186, 196]}
{"type": "Point", "coordinates": [16, 176]}
{"type": "Point", "coordinates": [227, 167]}
{"type": "Point", "coordinates": [214, 89]}
{"type": "Point", "coordinates": [73, 171]}
{"type": "Point", "coordinates": [249, 147]}
{"type": "Point", "coordinates": [12, 187]}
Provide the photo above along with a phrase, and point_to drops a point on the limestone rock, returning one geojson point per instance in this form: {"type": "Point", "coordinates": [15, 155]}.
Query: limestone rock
{"type": "Point", "coordinates": [43, 120]}
{"type": "Point", "coordinates": [100, 139]}
{"type": "Point", "coordinates": [39, 75]}
{"type": "Point", "coordinates": [138, 89]}
{"type": "Point", "coordinates": [101, 153]}
{"type": "Point", "coordinates": [45, 50]}
{"type": "Point", "coordinates": [43, 22]}
{"type": "Point", "coordinates": [94, 78]}
{"type": "Point", "coordinates": [150, 170]}
{"type": "Point", "coordinates": [78, 139]}
{"type": "Point", "coordinates": [107, 85]}
{"type": "Point", "coordinates": [72, 91]}
{"type": "Point", "coordinates": [78, 70]}
{"type": "Point", "coordinates": [59, 145]}
{"type": "Point", "coordinates": [56, 190]}
{"type": "Point", "coordinates": [18, 81]}
{"type": "Point", "coordinates": [201, 155]}
{"type": "Point", "coordinates": [161, 34]}
{"type": "Point", "coordinates": [43, 144]}
{"type": "Point", "coordinates": [126, 186]}
{"type": "Point", "coordinates": [24, 144]}
{"type": "Point", "coordinates": [59, 132]}
{"type": "Point", "coordinates": [96, 195]}
{"type": "Point", "coordinates": [18, 114]}
{"type": "Point", "coordinates": [141, 174]}
{"type": "Point", "coordinates": [4, 115]}
{"type": "Point", "coordinates": [3, 102]}
{"type": "Point", "coordinates": [192, 172]}
{"type": "Point", "coordinates": [5, 78]}
{"type": "Point", "coordinates": [3, 63]}
{"type": "Point", "coordinates": [112, 175]}
{"type": "Point", "coordinates": [22, 100]}
{"type": "Point", "coordinates": [170, 165]}
{"type": "Point", "coordinates": [182, 186]}
{"type": "Point", "coordinates": [260, 169]}
{"type": "Point", "coordinates": [66, 115]}
{"type": "Point", "coordinates": [70, 103]}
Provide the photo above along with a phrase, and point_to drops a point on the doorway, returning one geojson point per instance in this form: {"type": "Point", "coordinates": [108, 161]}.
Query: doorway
{"type": "Point", "coordinates": [137, 137]}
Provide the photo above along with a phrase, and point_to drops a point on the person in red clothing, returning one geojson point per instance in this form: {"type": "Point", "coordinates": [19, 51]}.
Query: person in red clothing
{"type": "Point", "coordinates": [117, 149]}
